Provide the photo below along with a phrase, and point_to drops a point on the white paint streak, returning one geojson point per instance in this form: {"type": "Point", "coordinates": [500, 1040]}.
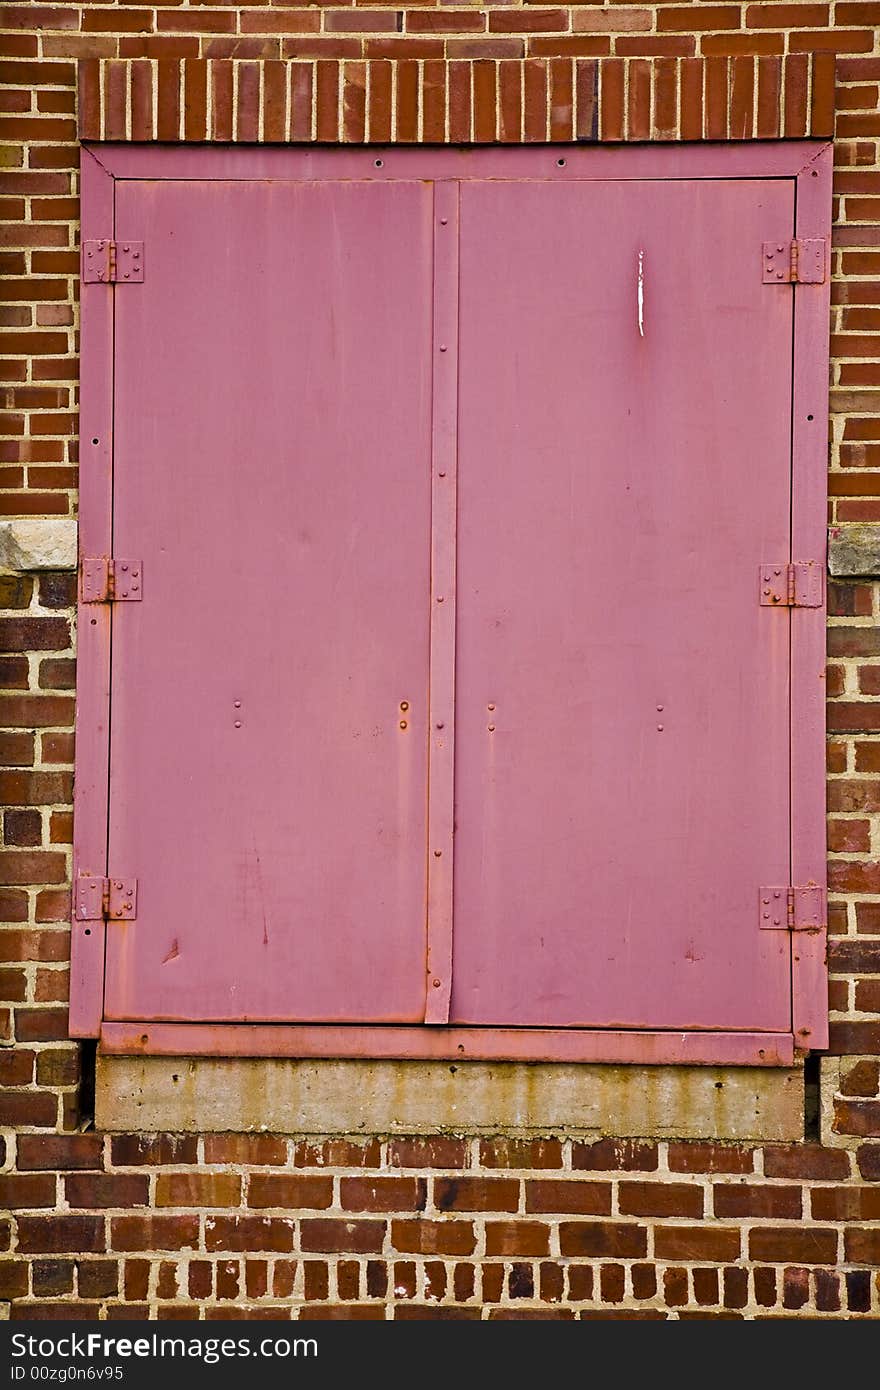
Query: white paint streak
{"type": "Point", "coordinates": [641, 294]}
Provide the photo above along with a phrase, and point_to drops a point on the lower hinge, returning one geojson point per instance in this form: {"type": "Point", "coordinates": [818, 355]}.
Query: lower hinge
{"type": "Point", "coordinates": [105, 899]}
{"type": "Point", "coordinates": [793, 909]}
{"type": "Point", "coordinates": [801, 261]}
{"type": "Point", "coordinates": [800, 585]}
{"type": "Point", "coordinates": [111, 581]}
{"type": "Point", "coordinates": [112, 262]}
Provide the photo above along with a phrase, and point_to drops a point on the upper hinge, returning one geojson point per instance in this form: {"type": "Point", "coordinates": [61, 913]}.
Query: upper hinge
{"type": "Point", "coordinates": [111, 581]}
{"type": "Point", "coordinates": [793, 909]}
{"type": "Point", "coordinates": [112, 262]}
{"type": "Point", "coordinates": [105, 899]}
{"type": "Point", "coordinates": [801, 261]}
{"type": "Point", "coordinates": [800, 585]}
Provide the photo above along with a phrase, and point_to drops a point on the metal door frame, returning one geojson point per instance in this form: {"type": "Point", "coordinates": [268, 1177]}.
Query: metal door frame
{"type": "Point", "coordinates": [809, 164]}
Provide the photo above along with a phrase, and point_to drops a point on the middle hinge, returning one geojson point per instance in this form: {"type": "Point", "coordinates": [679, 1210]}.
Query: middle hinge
{"type": "Point", "coordinates": [111, 581]}
{"type": "Point", "coordinates": [800, 261]}
{"type": "Point", "coordinates": [799, 585]}
{"type": "Point", "coordinates": [112, 262]}
{"type": "Point", "coordinates": [784, 908]}
{"type": "Point", "coordinates": [104, 899]}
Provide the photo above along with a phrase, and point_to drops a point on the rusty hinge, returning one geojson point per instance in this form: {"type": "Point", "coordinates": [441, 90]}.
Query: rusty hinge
{"type": "Point", "coordinates": [801, 261]}
{"type": "Point", "coordinates": [105, 899]}
{"type": "Point", "coordinates": [112, 262]}
{"type": "Point", "coordinates": [793, 909]}
{"type": "Point", "coordinates": [800, 585]}
{"type": "Point", "coordinates": [111, 581]}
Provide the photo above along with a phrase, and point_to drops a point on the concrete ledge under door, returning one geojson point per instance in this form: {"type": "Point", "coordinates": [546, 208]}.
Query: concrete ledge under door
{"type": "Point", "coordinates": [286, 1096]}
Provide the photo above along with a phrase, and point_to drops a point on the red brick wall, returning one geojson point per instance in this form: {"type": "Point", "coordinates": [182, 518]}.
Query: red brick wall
{"type": "Point", "coordinates": [237, 1225]}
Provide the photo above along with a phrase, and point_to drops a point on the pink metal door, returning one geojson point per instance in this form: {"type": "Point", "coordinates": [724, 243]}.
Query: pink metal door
{"type": "Point", "coordinates": [622, 707]}
{"type": "Point", "coordinates": [450, 699]}
{"type": "Point", "coordinates": [269, 694]}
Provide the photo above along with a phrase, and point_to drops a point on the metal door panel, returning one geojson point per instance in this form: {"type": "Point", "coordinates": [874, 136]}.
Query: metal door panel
{"type": "Point", "coordinates": [622, 706]}
{"type": "Point", "coordinates": [272, 431]}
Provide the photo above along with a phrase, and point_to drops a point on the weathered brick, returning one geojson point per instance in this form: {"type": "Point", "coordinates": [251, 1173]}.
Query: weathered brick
{"type": "Point", "coordinates": [337, 1153]}
{"type": "Point", "coordinates": [64, 1151]}
{"type": "Point", "coordinates": [56, 1233]}
{"type": "Point", "coordinates": [701, 1157]}
{"type": "Point", "coordinates": [845, 1203]}
{"type": "Point", "coordinates": [128, 1150]}
{"type": "Point", "coordinates": [97, 1278]}
{"type": "Point", "coordinates": [781, 1245]}
{"type": "Point", "coordinates": [107, 1189]}
{"type": "Point", "coordinates": [476, 1194]}
{"type": "Point", "coordinates": [250, 1149]}
{"type": "Point", "coordinates": [660, 1199]}
{"type": "Point", "coordinates": [716, 1243]}
{"type": "Point", "coordinates": [13, 1279]}
{"type": "Point", "coordinates": [757, 1199]}
{"type": "Point", "coordinates": [610, 1155]}
{"type": "Point", "coordinates": [567, 1195]}
{"type": "Point", "coordinates": [198, 1190]}
{"type": "Point", "coordinates": [22, 1191]}
{"type": "Point", "coordinates": [806, 1161]}
{"type": "Point", "coordinates": [250, 1233]}
{"type": "Point", "coordinates": [523, 1238]}
{"type": "Point", "coordinates": [424, 1237]}
{"type": "Point", "coordinates": [34, 634]}
{"type": "Point", "coordinates": [329, 1236]}
{"type": "Point", "coordinates": [434, 1152]}
{"type": "Point", "coordinates": [861, 1245]}
{"type": "Point", "coordinates": [383, 1194]}
{"type": "Point", "coordinates": [50, 1278]}
{"type": "Point", "coordinates": [154, 1233]}
{"type": "Point", "coordinates": [597, 1238]}
{"type": "Point", "coordinates": [33, 1108]}
{"type": "Point", "coordinates": [520, 1153]}
{"type": "Point", "coordinates": [290, 1190]}
{"type": "Point", "coordinates": [861, 1117]}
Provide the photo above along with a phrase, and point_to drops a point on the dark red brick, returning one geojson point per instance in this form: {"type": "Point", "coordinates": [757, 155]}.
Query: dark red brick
{"type": "Point", "coordinates": [62, 1151]}
{"type": "Point", "coordinates": [57, 1233]}
{"type": "Point", "coordinates": [476, 1194]}
{"type": "Point", "coordinates": [107, 1189]}
{"type": "Point", "coordinates": [660, 1199]}
{"type": "Point", "coordinates": [611, 1155]}
{"type": "Point", "coordinates": [806, 1161]}
{"type": "Point", "coordinates": [423, 1237]}
{"type": "Point", "coordinates": [329, 1236]}
{"type": "Point", "coordinates": [779, 1245]}
{"type": "Point", "coordinates": [597, 1238]}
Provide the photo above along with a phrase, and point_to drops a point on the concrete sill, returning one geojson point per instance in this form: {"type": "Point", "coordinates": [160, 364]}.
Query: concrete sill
{"type": "Point", "coordinates": [284, 1096]}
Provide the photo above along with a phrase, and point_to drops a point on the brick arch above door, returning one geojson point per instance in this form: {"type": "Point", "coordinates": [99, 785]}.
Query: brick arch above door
{"type": "Point", "coordinates": [508, 101]}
